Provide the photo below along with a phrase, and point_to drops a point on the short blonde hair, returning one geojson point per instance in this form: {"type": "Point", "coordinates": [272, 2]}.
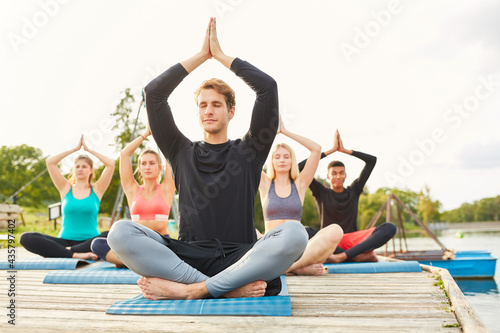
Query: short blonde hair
{"type": "Point", "coordinates": [158, 158]}
{"type": "Point", "coordinates": [72, 178]}
{"type": "Point", "coordinates": [294, 170]}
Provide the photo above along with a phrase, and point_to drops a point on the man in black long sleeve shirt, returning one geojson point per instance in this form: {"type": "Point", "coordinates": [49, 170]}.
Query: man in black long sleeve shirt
{"type": "Point", "coordinates": [217, 180]}
{"type": "Point", "coordinates": [339, 205]}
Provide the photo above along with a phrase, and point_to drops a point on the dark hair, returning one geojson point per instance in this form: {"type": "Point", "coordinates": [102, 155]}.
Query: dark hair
{"type": "Point", "coordinates": [335, 164]}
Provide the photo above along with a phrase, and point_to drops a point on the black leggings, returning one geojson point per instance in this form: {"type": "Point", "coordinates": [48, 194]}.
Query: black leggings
{"type": "Point", "coordinates": [53, 247]}
{"type": "Point", "coordinates": [381, 235]}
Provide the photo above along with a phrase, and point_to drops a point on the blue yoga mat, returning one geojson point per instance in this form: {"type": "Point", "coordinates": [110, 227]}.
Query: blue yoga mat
{"type": "Point", "coordinates": [104, 273]}
{"type": "Point", "coordinates": [257, 306]}
{"type": "Point", "coordinates": [45, 263]}
{"type": "Point", "coordinates": [374, 267]}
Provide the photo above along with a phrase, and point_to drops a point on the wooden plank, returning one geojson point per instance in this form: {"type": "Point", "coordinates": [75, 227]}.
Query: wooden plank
{"type": "Point", "coordinates": [213, 324]}
{"type": "Point", "coordinates": [402, 302]}
{"type": "Point", "coordinates": [466, 315]}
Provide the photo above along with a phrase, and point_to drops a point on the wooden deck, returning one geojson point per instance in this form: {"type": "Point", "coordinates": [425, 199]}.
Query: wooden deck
{"type": "Point", "coordinates": [393, 302]}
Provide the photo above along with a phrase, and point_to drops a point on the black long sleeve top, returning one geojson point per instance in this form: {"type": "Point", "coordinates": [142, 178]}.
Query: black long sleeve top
{"type": "Point", "coordinates": [217, 183]}
{"type": "Point", "coordinates": [341, 207]}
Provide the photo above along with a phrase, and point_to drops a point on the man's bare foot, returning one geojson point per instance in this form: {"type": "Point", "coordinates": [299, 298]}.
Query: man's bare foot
{"type": "Point", "coordinates": [336, 258]}
{"type": "Point", "coordinates": [363, 257]}
{"type": "Point", "coordinates": [85, 255]}
{"type": "Point", "coordinates": [366, 257]}
{"type": "Point", "coordinates": [252, 289]}
{"type": "Point", "coordinates": [314, 269]}
{"type": "Point", "coordinates": [156, 288]}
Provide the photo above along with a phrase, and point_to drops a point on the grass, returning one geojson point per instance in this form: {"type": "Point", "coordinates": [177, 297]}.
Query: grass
{"type": "Point", "coordinates": [446, 305]}
{"type": "Point", "coordinates": [36, 219]}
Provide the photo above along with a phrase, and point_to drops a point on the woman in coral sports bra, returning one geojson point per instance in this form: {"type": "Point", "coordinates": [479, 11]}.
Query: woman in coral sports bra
{"type": "Point", "coordinates": [149, 203]}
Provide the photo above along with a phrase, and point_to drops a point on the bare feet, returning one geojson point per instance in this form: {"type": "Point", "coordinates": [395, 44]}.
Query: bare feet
{"type": "Point", "coordinates": [366, 257]}
{"type": "Point", "coordinates": [252, 289]}
{"type": "Point", "coordinates": [314, 269]}
{"type": "Point", "coordinates": [156, 288]}
{"type": "Point", "coordinates": [85, 255]}
{"type": "Point", "coordinates": [363, 257]}
{"type": "Point", "coordinates": [336, 258]}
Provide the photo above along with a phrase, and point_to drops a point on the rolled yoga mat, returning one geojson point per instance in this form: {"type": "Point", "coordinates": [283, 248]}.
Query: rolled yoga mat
{"type": "Point", "coordinates": [44, 263]}
{"type": "Point", "coordinates": [374, 267]}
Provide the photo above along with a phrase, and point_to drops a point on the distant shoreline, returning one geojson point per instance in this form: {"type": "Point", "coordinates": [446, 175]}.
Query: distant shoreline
{"type": "Point", "coordinates": [479, 226]}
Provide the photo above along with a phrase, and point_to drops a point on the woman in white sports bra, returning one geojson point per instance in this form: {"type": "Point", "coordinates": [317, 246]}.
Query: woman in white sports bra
{"type": "Point", "coordinates": [282, 191]}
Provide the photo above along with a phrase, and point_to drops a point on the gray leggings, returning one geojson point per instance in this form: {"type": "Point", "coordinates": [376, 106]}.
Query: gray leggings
{"type": "Point", "coordinates": [145, 252]}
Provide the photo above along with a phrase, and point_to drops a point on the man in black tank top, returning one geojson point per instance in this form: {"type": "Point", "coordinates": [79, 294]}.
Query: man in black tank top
{"type": "Point", "coordinates": [217, 180]}
{"type": "Point", "coordinates": [339, 205]}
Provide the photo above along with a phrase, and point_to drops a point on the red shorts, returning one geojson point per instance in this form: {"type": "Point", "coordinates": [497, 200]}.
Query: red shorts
{"type": "Point", "coordinates": [352, 239]}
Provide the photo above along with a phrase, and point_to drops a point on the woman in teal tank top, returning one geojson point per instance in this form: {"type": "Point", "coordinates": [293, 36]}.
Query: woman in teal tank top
{"type": "Point", "coordinates": [80, 205]}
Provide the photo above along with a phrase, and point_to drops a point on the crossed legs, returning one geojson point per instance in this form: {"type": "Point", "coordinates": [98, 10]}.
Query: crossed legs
{"type": "Point", "coordinates": [101, 247]}
{"type": "Point", "coordinates": [363, 251]}
{"type": "Point", "coordinates": [167, 276]}
{"type": "Point", "coordinates": [318, 249]}
{"type": "Point", "coordinates": [54, 247]}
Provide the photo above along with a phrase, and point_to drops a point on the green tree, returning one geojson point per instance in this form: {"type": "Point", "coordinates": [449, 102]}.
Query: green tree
{"type": "Point", "coordinates": [259, 216]}
{"type": "Point", "coordinates": [428, 209]}
{"type": "Point", "coordinates": [109, 197]}
{"type": "Point", "coordinates": [310, 215]}
{"type": "Point", "coordinates": [486, 209]}
{"type": "Point", "coordinates": [451, 216]}
{"type": "Point", "coordinates": [494, 208]}
{"type": "Point", "coordinates": [124, 124]}
{"type": "Point", "coordinates": [467, 212]}
{"type": "Point", "coordinates": [19, 165]}
{"type": "Point", "coordinates": [409, 198]}
{"type": "Point", "coordinates": [369, 205]}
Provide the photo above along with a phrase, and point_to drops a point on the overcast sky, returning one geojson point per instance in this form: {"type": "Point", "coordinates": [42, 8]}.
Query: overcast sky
{"type": "Point", "coordinates": [415, 83]}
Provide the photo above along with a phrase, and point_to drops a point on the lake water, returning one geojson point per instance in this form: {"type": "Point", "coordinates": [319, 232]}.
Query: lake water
{"type": "Point", "coordinates": [482, 294]}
